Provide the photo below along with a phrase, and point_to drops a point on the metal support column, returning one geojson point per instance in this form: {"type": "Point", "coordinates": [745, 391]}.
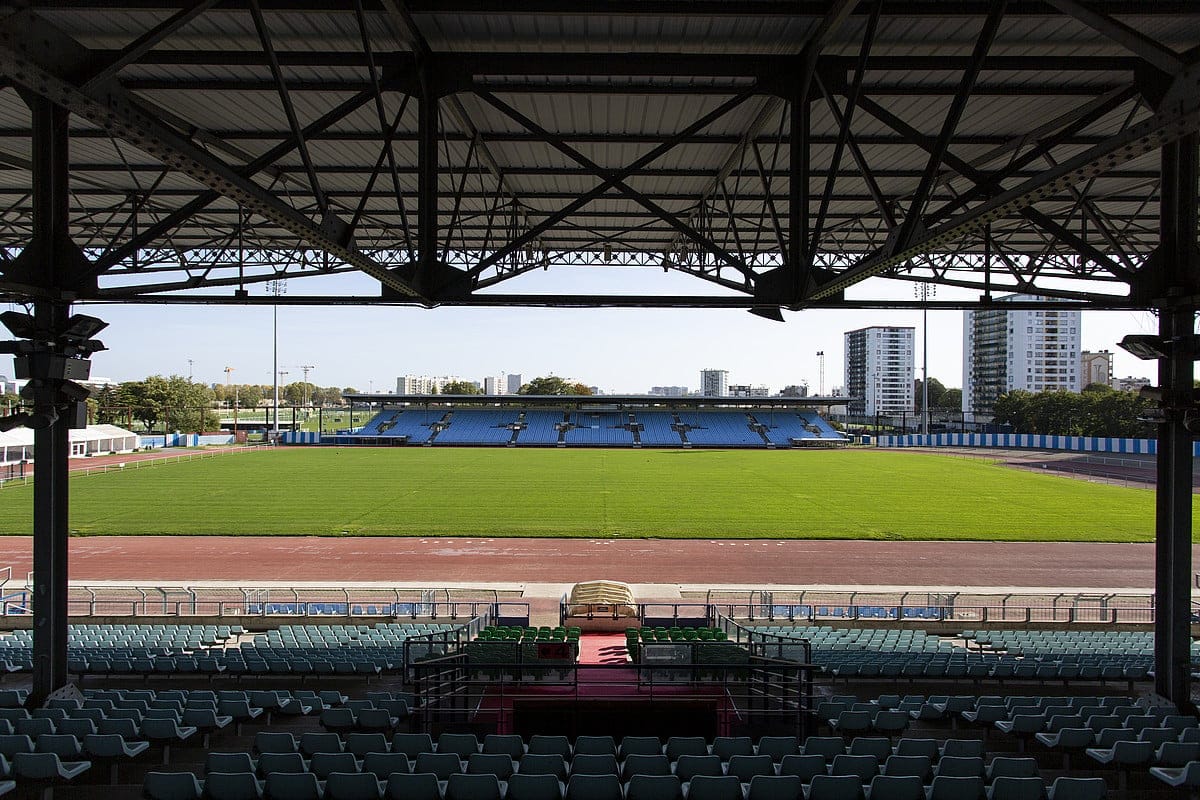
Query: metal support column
{"type": "Point", "coordinates": [51, 453]}
{"type": "Point", "coordinates": [1173, 530]}
{"type": "Point", "coordinates": [51, 443]}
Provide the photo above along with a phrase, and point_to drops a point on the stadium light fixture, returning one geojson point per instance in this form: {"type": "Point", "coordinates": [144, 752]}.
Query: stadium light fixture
{"type": "Point", "coordinates": [1145, 346]}
{"type": "Point", "coordinates": [1150, 347]}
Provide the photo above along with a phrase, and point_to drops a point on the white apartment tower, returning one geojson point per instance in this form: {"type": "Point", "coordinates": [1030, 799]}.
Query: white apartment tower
{"type": "Point", "coordinates": [880, 363]}
{"type": "Point", "coordinates": [714, 382]}
{"type": "Point", "coordinates": [1008, 349]}
{"type": "Point", "coordinates": [423, 384]}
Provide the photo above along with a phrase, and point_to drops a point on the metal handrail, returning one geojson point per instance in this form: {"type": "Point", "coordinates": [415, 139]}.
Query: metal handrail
{"type": "Point", "coordinates": [452, 685]}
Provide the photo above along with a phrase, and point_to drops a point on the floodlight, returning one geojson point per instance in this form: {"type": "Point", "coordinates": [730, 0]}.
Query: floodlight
{"type": "Point", "coordinates": [773, 313]}
{"type": "Point", "coordinates": [21, 325]}
{"type": "Point", "coordinates": [38, 421]}
{"type": "Point", "coordinates": [1145, 346]}
{"type": "Point", "coordinates": [82, 326]}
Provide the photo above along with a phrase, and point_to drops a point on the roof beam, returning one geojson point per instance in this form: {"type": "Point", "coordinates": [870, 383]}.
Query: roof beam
{"type": "Point", "coordinates": [1155, 54]}
{"type": "Point", "coordinates": [29, 45]}
{"type": "Point", "coordinates": [1174, 120]}
{"type": "Point", "coordinates": [608, 181]}
{"type": "Point", "coordinates": [686, 65]}
{"type": "Point", "coordinates": [289, 110]}
{"type": "Point", "coordinates": [916, 209]}
{"type": "Point", "coordinates": [199, 202]}
{"type": "Point", "coordinates": [750, 8]}
{"type": "Point", "coordinates": [142, 45]}
{"type": "Point", "coordinates": [691, 8]}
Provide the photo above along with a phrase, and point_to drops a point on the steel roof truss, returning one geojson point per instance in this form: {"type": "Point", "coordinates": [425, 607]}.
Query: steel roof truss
{"type": "Point", "coordinates": [389, 132]}
{"type": "Point", "coordinates": [147, 41]}
{"type": "Point", "coordinates": [844, 123]}
{"type": "Point", "coordinates": [911, 223]}
{"type": "Point", "coordinates": [1174, 119]}
{"type": "Point", "coordinates": [608, 179]}
{"type": "Point", "coordinates": [1154, 53]}
{"type": "Point", "coordinates": [201, 201]}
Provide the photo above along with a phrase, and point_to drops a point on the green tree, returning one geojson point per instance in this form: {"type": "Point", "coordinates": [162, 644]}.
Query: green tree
{"type": "Point", "coordinates": [326, 396]}
{"type": "Point", "coordinates": [297, 394]}
{"type": "Point", "coordinates": [108, 411]}
{"type": "Point", "coordinates": [1097, 411]}
{"type": "Point", "coordinates": [552, 384]}
{"type": "Point", "coordinates": [461, 387]}
{"type": "Point", "coordinates": [1108, 412]}
{"type": "Point", "coordinates": [951, 398]}
{"type": "Point", "coordinates": [1014, 408]}
{"type": "Point", "coordinates": [174, 402]}
{"type": "Point", "coordinates": [249, 395]}
{"type": "Point", "coordinates": [936, 390]}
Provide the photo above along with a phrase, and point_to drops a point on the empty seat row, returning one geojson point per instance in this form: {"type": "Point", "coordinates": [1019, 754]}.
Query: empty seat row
{"type": "Point", "coordinates": [367, 786]}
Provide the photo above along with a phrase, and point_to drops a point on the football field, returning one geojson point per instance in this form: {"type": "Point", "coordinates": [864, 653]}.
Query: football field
{"type": "Point", "coordinates": [484, 492]}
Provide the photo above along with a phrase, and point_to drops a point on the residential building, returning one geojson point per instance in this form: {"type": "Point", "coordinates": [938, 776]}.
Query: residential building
{"type": "Point", "coordinates": [1006, 349]}
{"type": "Point", "coordinates": [879, 365]}
{"type": "Point", "coordinates": [495, 384]}
{"type": "Point", "coordinates": [1130, 384]}
{"type": "Point", "coordinates": [669, 391]}
{"type": "Point", "coordinates": [714, 382]}
{"type": "Point", "coordinates": [423, 384]}
{"type": "Point", "coordinates": [514, 383]}
{"type": "Point", "coordinates": [746, 390]}
{"type": "Point", "coordinates": [1095, 367]}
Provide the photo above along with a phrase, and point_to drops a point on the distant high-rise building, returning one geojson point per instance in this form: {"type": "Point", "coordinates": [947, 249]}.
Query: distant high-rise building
{"type": "Point", "coordinates": [1095, 367]}
{"type": "Point", "coordinates": [879, 370]}
{"type": "Point", "coordinates": [746, 390]}
{"type": "Point", "coordinates": [495, 384]}
{"type": "Point", "coordinates": [423, 384]}
{"type": "Point", "coordinates": [514, 383]}
{"type": "Point", "coordinates": [1007, 349]}
{"type": "Point", "coordinates": [669, 391]}
{"type": "Point", "coordinates": [714, 382]}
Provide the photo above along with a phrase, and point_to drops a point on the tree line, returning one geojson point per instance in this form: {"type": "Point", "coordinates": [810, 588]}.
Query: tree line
{"type": "Point", "coordinates": [1098, 410]}
{"type": "Point", "coordinates": [176, 403]}
{"type": "Point", "coordinates": [546, 384]}
{"type": "Point", "coordinates": [939, 396]}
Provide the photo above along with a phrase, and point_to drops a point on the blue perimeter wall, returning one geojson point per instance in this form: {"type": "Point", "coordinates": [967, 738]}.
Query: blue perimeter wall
{"type": "Point", "coordinates": [1082, 444]}
{"type": "Point", "coordinates": [185, 440]}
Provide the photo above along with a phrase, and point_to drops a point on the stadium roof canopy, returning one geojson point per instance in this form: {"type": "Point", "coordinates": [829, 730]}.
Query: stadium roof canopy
{"type": "Point", "coordinates": [778, 151]}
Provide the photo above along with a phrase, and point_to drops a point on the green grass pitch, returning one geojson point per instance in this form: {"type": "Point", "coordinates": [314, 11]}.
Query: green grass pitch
{"type": "Point", "coordinates": [864, 494]}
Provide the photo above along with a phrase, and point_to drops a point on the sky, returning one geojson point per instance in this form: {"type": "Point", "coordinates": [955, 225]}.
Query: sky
{"type": "Point", "coordinates": [616, 350]}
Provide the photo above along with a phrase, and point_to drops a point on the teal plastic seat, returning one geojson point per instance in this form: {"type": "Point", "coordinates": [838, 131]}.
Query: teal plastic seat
{"type": "Point", "coordinates": [419, 786]}
{"type": "Point", "coordinates": [714, 787]}
{"type": "Point", "coordinates": [352, 786]}
{"type": "Point", "coordinates": [171, 786]}
{"type": "Point", "coordinates": [775, 787]}
{"type": "Point", "coordinates": [232, 786]}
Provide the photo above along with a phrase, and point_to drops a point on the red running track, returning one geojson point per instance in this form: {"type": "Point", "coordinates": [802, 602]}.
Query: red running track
{"type": "Point", "coordinates": [195, 559]}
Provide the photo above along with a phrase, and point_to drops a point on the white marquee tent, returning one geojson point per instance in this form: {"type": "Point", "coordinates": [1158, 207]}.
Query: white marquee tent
{"type": "Point", "coordinates": [17, 445]}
